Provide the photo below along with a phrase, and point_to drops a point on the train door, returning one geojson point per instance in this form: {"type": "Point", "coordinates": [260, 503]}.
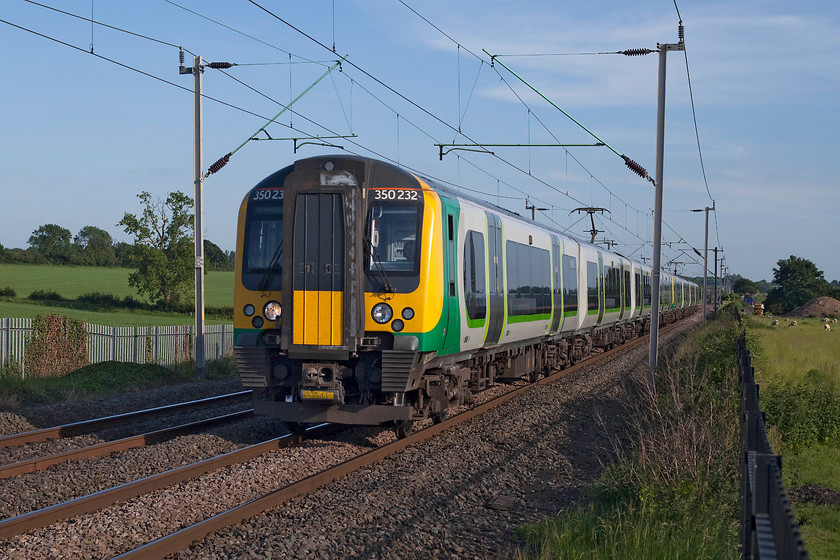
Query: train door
{"type": "Point", "coordinates": [626, 291]}
{"type": "Point", "coordinates": [556, 286]}
{"type": "Point", "coordinates": [601, 287]}
{"type": "Point", "coordinates": [451, 340]}
{"type": "Point", "coordinates": [495, 297]}
{"type": "Point", "coordinates": [318, 273]}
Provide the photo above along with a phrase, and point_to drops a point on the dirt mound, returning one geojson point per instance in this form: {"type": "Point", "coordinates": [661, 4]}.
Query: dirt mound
{"type": "Point", "coordinates": [818, 307]}
{"type": "Point", "coordinates": [814, 493]}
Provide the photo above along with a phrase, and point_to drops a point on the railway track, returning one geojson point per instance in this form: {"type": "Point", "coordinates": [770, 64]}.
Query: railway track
{"type": "Point", "coordinates": [108, 447]}
{"type": "Point", "coordinates": [97, 424]}
{"type": "Point", "coordinates": [182, 537]}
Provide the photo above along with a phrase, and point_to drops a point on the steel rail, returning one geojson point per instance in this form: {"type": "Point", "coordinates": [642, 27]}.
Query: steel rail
{"type": "Point", "coordinates": [94, 502]}
{"type": "Point", "coordinates": [181, 539]}
{"type": "Point", "coordinates": [108, 447]}
{"type": "Point", "coordinates": [87, 426]}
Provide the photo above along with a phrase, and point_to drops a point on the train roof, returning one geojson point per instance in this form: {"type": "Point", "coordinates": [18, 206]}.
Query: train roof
{"type": "Point", "coordinates": [379, 172]}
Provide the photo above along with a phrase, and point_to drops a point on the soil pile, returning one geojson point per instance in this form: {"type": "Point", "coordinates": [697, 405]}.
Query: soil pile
{"type": "Point", "coordinates": [815, 494]}
{"type": "Point", "coordinates": [818, 307]}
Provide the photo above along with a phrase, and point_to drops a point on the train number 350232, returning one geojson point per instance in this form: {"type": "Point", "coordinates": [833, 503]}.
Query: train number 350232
{"type": "Point", "coordinates": [395, 194]}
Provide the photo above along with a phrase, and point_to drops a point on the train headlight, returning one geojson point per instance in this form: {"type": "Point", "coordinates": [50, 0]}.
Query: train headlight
{"type": "Point", "coordinates": [248, 310]}
{"type": "Point", "coordinates": [398, 325]}
{"type": "Point", "coordinates": [381, 313]}
{"type": "Point", "coordinates": [272, 310]}
{"type": "Point", "coordinates": [408, 314]}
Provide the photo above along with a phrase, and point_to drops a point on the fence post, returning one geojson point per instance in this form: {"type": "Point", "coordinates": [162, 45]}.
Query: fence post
{"type": "Point", "coordinates": [7, 340]}
{"type": "Point", "coordinates": [157, 342]}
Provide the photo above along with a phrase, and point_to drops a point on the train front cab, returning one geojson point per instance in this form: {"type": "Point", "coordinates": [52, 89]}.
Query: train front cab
{"type": "Point", "coordinates": [354, 290]}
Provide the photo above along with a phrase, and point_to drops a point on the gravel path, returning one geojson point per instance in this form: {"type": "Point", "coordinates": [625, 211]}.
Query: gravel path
{"type": "Point", "coordinates": [460, 495]}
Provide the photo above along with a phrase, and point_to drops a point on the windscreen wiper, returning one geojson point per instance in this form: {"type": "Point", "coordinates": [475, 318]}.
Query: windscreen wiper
{"type": "Point", "coordinates": [271, 266]}
{"type": "Point", "coordinates": [387, 287]}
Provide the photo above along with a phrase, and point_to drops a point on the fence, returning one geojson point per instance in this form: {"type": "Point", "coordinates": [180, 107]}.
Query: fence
{"type": "Point", "coordinates": [166, 346]}
{"type": "Point", "coordinates": [768, 528]}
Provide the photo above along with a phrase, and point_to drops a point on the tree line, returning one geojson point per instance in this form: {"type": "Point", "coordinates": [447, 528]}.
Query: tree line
{"type": "Point", "coordinates": [796, 281]}
{"type": "Point", "coordinates": [162, 252]}
{"type": "Point", "coordinates": [92, 246]}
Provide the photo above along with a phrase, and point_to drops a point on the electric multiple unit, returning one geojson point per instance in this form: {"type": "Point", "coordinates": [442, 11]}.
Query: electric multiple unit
{"type": "Point", "coordinates": [369, 295]}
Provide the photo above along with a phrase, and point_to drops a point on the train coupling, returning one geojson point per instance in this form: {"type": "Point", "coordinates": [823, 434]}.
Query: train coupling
{"type": "Point", "coordinates": [321, 382]}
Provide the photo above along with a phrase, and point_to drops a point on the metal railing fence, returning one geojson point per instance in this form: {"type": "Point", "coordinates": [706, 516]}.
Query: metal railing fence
{"type": "Point", "coordinates": [167, 346]}
{"type": "Point", "coordinates": [768, 527]}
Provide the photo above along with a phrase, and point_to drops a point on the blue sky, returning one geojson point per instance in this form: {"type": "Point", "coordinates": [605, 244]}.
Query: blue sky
{"type": "Point", "coordinates": [81, 136]}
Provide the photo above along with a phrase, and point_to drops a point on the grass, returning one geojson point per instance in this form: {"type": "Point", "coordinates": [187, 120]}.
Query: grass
{"type": "Point", "coordinates": [73, 281]}
{"type": "Point", "coordinates": [819, 526]}
{"type": "Point", "coordinates": [800, 372]}
{"type": "Point", "coordinates": [619, 530]}
{"type": "Point", "coordinates": [790, 353]}
{"type": "Point", "coordinates": [672, 491]}
{"type": "Point", "coordinates": [102, 380]}
{"type": "Point", "coordinates": [70, 282]}
{"type": "Point", "coordinates": [107, 318]}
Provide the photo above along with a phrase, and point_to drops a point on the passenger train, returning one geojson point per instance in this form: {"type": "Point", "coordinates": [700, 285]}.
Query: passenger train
{"type": "Point", "coordinates": [365, 294]}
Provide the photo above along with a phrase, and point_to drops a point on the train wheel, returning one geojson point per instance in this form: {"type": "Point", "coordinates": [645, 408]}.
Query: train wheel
{"type": "Point", "coordinates": [297, 428]}
{"type": "Point", "coordinates": [402, 428]}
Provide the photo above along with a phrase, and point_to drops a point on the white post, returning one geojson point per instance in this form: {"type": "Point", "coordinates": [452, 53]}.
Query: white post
{"type": "Point", "coordinates": [657, 227]}
{"type": "Point", "coordinates": [199, 219]}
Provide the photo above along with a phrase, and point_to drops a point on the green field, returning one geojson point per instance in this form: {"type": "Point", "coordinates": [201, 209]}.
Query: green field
{"type": "Point", "coordinates": [803, 362]}
{"type": "Point", "coordinates": [72, 281]}
{"type": "Point", "coordinates": [789, 353]}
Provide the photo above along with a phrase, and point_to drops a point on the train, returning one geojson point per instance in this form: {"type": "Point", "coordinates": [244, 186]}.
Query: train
{"type": "Point", "coordinates": [365, 294]}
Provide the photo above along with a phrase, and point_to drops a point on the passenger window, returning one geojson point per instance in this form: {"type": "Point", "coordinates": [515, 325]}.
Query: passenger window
{"type": "Point", "coordinates": [475, 276]}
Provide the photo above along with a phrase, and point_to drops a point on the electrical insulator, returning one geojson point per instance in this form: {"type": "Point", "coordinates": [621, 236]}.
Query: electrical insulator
{"type": "Point", "coordinates": [221, 162]}
{"type": "Point", "coordinates": [636, 52]}
{"type": "Point", "coordinates": [681, 32]}
{"type": "Point", "coordinates": [221, 65]}
{"type": "Point", "coordinates": [635, 167]}
{"type": "Point", "coordinates": [181, 56]}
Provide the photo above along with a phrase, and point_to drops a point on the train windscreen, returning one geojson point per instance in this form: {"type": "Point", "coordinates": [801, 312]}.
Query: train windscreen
{"type": "Point", "coordinates": [261, 261]}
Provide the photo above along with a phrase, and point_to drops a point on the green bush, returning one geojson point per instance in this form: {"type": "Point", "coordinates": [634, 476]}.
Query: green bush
{"type": "Point", "coordinates": [8, 292]}
{"type": "Point", "coordinates": [56, 346]}
{"type": "Point", "coordinates": [99, 300]}
{"type": "Point", "coordinates": [45, 295]}
{"type": "Point", "coordinates": [804, 413]}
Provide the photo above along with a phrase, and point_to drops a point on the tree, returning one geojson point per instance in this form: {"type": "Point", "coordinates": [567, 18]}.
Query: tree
{"type": "Point", "coordinates": [163, 248]}
{"type": "Point", "coordinates": [53, 242]}
{"type": "Point", "coordinates": [215, 257]}
{"type": "Point", "coordinates": [744, 286]}
{"type": "Point", "coordinates": [799, 281]}
{"type": "Point", "coordinates": [95, 247]}
{"type": "Point", "coordinates": [764, 286]}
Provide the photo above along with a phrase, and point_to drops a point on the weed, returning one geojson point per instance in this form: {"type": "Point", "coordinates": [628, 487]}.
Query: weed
{"type": "Point", "coordinates": [672, 492]}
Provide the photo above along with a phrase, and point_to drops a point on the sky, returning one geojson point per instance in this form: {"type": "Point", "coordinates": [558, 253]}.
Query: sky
{"type": "Point", "coordinates": [84, 133]}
